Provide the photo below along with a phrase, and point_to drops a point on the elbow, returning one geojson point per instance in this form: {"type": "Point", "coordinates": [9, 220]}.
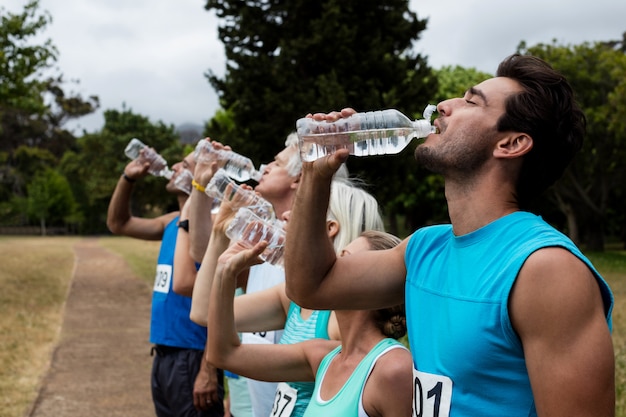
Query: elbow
{"type": "Point", "coordinates": [310, 298]}
{"type": "Point", "coordinates": [213, 357]}
{"type": "Point", "coordinates": [199, 319]}
{"type": "Point", "coordinates": [220, 354]}
{"type": "Point", "coordinates": [298, 297]}
{"type": "Point", "coordinates": [196, 255]}
{"type": "Point", "coordinates": [183, 290]}
{"type": "Point", "coordinates": [114, 227]}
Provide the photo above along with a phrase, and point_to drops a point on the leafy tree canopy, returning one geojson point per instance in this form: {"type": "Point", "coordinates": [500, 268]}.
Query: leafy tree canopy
{"type": "Point", "coordinates": [289, 58]}
{"type": "Point", "coordinates": [50, 198]}
{"type": "Point", "coordinates": [34, 105]}
{"type": "Point", "coordinates": [100, 161]}
{"type": "Point", "coordinates": [591, 187]}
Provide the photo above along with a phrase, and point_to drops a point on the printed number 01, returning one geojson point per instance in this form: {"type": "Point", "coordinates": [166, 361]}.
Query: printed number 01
{"type": "Point", "coordinates": [418, 398]}
{"type": "Point", "coordinates": [431, 402]}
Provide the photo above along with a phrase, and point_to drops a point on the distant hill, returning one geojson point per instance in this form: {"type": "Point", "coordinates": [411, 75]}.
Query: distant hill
{"type": "Point", "coordinates": [190, 133]}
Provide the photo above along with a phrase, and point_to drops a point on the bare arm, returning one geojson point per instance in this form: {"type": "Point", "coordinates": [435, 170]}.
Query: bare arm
{"type": "Point", "coordinates": [120, 220]}
{"type": "Point", "coordinates": [201, 221]}
{"type": "Point", "coordinates": [258, 361]}
{"type": "Point", "coordinates": [557, 310]}
{"type": "Point", "coordinates": [262, 310]}
{"type": "Point", "coordinates": [315, 277]}
{"type": "Point", "coordinates": [185, 268]}
{"type": "Point", "coordinates": [218, 243]}
{"type": "Point", "coordinates": [200, 209]}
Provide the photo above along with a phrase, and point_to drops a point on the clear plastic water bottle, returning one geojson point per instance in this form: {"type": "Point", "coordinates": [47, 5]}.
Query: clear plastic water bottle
{"type": "Point", "coordinates": [183, 181]}
{"type": "Point", "coordinates": [369, 133]}
{"type": "Point", "coordinates": [158, 164]}
{"type": "Point", "coordinates": [236, 166]}
{"type": "Point", "coordinates": [249, 229]}
{"type": "Point", "coordinates": [238, 196]}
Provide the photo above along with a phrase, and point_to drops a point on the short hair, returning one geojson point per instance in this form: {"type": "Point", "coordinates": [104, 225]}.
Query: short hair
{"type": "Point", "coordinates": [380, 240]}
{"type": "Point", "coordinates": [546, 110]}
{"type": "Point", "coordinates": [391, 321]}
{"type": "Point", "coordinates": [294, 164]}
{"type": "Point", "coordinates": [354, 209]}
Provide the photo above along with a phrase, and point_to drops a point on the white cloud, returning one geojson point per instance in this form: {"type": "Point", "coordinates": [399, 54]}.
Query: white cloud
{"type": "Point", "coordinates": [152, 54]}
{"type": "Point", "coordinates": [480, 33]}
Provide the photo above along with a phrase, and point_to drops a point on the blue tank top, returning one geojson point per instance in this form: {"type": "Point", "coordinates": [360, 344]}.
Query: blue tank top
{"type": "Point", "coordinates": [457, 292]}
{"type": "Point", "coordinates": [298, 330]}
{"type": "Point", "coordinates": [170, 324]}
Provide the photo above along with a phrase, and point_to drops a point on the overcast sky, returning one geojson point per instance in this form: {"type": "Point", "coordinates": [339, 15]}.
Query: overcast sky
{"type": "Point", "coordinates": [151, 55]}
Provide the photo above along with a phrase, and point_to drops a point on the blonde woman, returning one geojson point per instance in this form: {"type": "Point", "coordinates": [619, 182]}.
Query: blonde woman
{"type": "Point", "coordinates": [356, 378]}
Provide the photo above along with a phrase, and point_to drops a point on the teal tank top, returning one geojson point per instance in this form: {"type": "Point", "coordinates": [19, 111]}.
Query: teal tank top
{"type": "Point", "coordinates": [348, 401]}
{"type": "Point", "coordinates": [298, 330]}
{"type": "Point", "coordinates": [460, 333]}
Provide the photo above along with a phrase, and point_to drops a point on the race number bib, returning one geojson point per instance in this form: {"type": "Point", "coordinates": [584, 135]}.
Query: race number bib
{"type": "Point", "coordinates": [284, 401]}
{"type": "Point", "coordinates": [163, 278]}
{"type": "Point", "coordinates": [258, 338]}
{"type": "Point", "coordinates": [432, 395]}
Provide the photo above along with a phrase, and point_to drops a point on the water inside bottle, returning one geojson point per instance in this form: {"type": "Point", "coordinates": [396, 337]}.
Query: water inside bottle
{"type": "Point", "coordinates": [235, 165]}
{"type": "Point", "coordinates": [358, 143]}
{"type": "Point", "coordinates": [238, 171]}
{"type": "Point", "coordinates": [142, 153]}
{"type": "Point", "coordinates": [183, 181]}
{"type": "Point", "coordinates": [238, 196]}
{"type": "Point", "coordinates": [249, 229]}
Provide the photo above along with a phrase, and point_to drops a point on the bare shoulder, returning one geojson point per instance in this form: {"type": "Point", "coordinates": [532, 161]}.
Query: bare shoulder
{"type": "Point", "coordinates": [391, 378]}
{"type": "Point", "coordinates": [393, 367]}
{"type": "Point", "coordinates": [556, 269]}
{"type": "Point", "coordinates": [556, 284]}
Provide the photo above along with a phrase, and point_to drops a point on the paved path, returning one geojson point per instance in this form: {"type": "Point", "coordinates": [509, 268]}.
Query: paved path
{"type": "Point", "coordinates": [101, 366]}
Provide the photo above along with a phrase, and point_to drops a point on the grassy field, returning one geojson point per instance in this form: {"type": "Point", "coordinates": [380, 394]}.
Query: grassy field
{"type": "Point", "coordinates": [141, 255]}
{"type": "Point", "coordinates": [34, 278]}
{"type": "Point", "coordinates": [35, 274]}
{"type": "Point", "coordinates": [612, 265]}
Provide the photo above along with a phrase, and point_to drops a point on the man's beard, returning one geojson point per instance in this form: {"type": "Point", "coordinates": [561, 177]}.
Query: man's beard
{"type": "Point", "coordinates": [451, 158]}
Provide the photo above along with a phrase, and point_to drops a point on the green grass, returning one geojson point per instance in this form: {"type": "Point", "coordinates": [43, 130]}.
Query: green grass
{"type": "Point", "coordinates": [34, 278]}
{"type": "Point", "coordinates": [141, 255]}
{"type": "Point", "coordinates": [612, 265]}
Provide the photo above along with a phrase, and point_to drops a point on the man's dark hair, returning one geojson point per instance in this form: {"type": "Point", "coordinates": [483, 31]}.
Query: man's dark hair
{"type": "Point", "coordinates": [547, 111]}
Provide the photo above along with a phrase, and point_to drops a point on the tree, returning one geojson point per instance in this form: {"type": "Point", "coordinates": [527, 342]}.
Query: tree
{"type": "Point", "coordinates": [288, 58]}
{"type": "Point", "coordinates": [34, 105]}
{"type": "Point", "coordinates": [50, 199]}
{"type": "Point", "coordinates": [595, 179]}
{"type": "Point", "coordinates": [100, 161]}
{"type": "Point", "coordinates": [19, 170]}
{"type": "Point", "coordinates": [421, 195]}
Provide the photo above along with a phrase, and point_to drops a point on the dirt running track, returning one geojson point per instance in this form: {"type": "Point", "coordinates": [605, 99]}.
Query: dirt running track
{"type": "Point", "coordinates": [101, 366]}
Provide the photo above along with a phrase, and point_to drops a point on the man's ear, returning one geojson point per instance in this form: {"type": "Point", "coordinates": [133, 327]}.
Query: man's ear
{"type": "Point", "coordinates": [513, 146]}
{"type": "Point", "coordinates": [332, 228]}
